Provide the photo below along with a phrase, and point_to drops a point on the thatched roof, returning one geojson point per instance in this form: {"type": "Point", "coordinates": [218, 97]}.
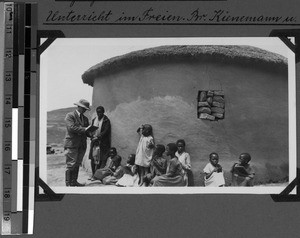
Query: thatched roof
{"type": "Point", "coordinates": [229, 54]}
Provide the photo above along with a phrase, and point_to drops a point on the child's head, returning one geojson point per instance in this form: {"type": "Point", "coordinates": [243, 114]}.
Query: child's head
{"type": "Point", "coordinates": [112, 152]}
{"type": "Point", "coordinates": [117, 160]}
{"type": "Point", "coordinates": [147, 130]}
{"type": "Point", "coordinates": [214, 158]}
{"type": "Point", "coordinates": [180, 145]}
{"type": "Point", "coordinates": [131, 159]}
{"type": "Point", "coordinates": [159, 150]}
{"type": "Point", "coordinates": [244, 158]}
{"type": "Point", "coordinates": [171, 149]}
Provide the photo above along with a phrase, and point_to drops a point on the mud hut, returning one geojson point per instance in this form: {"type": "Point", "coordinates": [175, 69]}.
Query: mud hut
{"type": "Point", "coordinates": [224, 99]}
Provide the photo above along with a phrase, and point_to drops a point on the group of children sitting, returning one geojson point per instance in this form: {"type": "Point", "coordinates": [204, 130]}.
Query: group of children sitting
{"type": "Point", "coordinates": [149, 167]}
{"type": "Point", "coordinates": [242, 172]}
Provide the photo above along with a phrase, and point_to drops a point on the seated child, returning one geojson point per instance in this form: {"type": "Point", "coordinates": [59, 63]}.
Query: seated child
{"type": "Point", "coordinates": [214, 176]}
{"type": "Point", "coordinates": [113, 165]}
{"type": "Point", "coordinates": [185, 160]}
{"type": "Point", "coordinates": [242, 173]}
{"type": "Point", "coordinates": [158, 165]}
{"type": "Point", "coordinates": [174, 175]}
{"type": "Point", "coordinates": [114, 177]}
{"type": "Point", "coordinates": [130, 177]}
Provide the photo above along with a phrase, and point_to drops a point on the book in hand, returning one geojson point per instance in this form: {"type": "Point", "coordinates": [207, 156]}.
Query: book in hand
{"type": "Point", "coordinates": [240, 170]}
{"type": "Point", "coordinates": [91, 129]}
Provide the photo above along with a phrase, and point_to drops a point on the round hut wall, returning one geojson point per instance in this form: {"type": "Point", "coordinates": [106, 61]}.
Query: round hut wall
{"type": "Point", "coordinates": [164, 94]}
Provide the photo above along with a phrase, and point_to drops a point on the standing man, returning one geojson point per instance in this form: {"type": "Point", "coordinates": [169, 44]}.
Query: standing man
{"type": "Point", "coordinates": [101, 137]}
{"type": "Point", "coordinates": [75, 141]}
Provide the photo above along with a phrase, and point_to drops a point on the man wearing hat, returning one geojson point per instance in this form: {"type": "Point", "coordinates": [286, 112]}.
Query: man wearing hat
{"type": "Point", "coordinates": [75, 141]}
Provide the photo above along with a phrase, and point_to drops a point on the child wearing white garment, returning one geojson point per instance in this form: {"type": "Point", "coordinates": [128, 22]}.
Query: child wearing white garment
{"type": "Point", "coordinates": [185, 160]}
{"type": "Point", "coordinates": [214, 176]}
{"type": "Point", "coordinates": [144, 151]}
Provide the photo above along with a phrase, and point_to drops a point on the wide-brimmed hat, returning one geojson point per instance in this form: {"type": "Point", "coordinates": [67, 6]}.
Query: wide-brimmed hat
{"type": "Point", "coordinates": [83, 103]}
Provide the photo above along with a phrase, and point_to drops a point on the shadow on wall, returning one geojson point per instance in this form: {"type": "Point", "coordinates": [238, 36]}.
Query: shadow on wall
{"type": "Point", "coordinates": [172, 118]}
{"type": "Point", "coordinates": [267, 174]}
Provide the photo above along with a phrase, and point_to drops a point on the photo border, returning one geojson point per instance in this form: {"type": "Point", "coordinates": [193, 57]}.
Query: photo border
{"type": "Point", "coordinates": [292, 138]}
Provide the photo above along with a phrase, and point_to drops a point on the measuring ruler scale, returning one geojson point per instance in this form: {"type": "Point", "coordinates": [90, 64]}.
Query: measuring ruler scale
{"type": "Point", "coordinates": [19, 113]}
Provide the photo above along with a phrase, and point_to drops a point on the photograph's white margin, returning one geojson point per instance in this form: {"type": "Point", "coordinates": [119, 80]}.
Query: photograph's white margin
{"type": "Point", "coordinates": [292, 116]}
{"type": "Point", "coordinates": [181, 190]}
{"type": "Point", "coordinates": [43, 119]}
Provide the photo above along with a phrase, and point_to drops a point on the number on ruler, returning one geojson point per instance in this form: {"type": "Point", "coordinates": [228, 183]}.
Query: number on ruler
{"type": "Point", "coordinates": [7, 147]}
{"type": "Point", "coordinates": [6, 217]}
{"type": "Point", "coordinates": [7, 169]}
{"type": "Point", "coordinates": [8, 100]}
{"type": "Point", "coordinates": [8, 53]}
{"type": "Point", "coordinates": [7, 123]}
{"type": "Point", "coordinates": [6, 194]}
{"type": "Point", "coordinates": [9, 29]}
{"type": "Point", "coordinates": [8, 77]}
{"type": "Point", "coordinates": [8, 7]}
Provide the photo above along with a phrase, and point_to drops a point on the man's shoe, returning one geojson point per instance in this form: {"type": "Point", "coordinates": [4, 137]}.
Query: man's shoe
{"type": "Point", "coordinates": [76, 184]}
{"type": "Point", "coordinates": [74, 176]}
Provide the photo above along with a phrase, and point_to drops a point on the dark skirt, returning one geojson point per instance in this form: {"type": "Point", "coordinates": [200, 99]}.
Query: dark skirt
{"type": "Point", "coordinates": [165, 181]}
{"type": "Point", "coordinates": [100, 174]}
{"type": "Point", "coordinates": [190, 176]}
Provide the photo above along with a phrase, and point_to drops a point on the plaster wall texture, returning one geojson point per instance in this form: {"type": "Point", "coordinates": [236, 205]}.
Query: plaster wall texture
{"type": "Point", "coordinates": [165, 96]}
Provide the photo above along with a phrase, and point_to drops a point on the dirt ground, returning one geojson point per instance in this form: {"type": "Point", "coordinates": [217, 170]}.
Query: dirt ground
{"type": "Point", "coordinates": [56, 167]}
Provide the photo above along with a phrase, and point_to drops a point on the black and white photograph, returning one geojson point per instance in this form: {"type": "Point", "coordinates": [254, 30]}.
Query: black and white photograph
{"type": "Point", "coordinates": [167, 115]}
{"type": "Point", "coordinates": [150, 118]}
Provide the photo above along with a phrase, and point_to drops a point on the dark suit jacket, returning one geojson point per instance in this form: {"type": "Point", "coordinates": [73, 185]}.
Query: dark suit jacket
{"type": "Point", "coordinates": [75, 136]}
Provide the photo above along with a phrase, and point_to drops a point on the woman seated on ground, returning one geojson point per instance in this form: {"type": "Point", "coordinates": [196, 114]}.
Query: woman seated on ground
{"type": "Point", "coordinates": [174, 174]}
{"type": "Point", "coordinates": [242, 173]}
{"type": "Point", "coordinates": [158, 165]}
{"type": "Point", "coordinates": [214, 176]}
{"type": "Point", "coordinates": [114, 177]}
{"type": "Point", "coordinates": [112, 167]}
{"type": "Point", "coordinates": [130, 176]}
{"type": "Point", "coordinates": [185, 160]}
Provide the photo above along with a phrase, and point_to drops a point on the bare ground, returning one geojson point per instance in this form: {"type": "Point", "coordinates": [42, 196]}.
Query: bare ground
{"type": "Point", "coordinates": [56, 168]}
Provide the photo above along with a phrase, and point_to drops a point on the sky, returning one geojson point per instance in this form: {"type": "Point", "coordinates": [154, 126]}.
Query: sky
{"type": "Point", "coordinates": [66, 59]}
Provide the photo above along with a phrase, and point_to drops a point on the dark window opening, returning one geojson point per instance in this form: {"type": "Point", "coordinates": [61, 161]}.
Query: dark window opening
{"type": "Point", "coordinates": [211, 105]}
